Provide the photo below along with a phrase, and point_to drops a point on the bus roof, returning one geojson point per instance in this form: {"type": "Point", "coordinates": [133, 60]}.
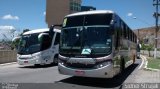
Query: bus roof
{"type": "Point", "coordinates": [40, 30]}
{"type": "Point", "coordinates": [90, 12]}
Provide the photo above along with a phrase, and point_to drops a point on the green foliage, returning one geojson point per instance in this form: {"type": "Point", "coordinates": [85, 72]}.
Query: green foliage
{"type": "Point", "coordinates": [153, 63]}
{"type": "Point", "coordinates": [143, 47]}
{"type": "Point", "coordinates": [148, 47]}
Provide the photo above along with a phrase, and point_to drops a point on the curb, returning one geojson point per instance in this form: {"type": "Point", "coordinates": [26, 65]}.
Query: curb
{"type": "Point", "coordinates": [5, 64]}
{"type": "Point", "coordinates": [150, 69]}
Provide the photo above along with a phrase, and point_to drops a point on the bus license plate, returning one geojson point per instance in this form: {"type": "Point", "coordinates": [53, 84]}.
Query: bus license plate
{"type": "Point", "coordinates": [79, 72]}
{"type": "Point", "coordinates": [25, 61]}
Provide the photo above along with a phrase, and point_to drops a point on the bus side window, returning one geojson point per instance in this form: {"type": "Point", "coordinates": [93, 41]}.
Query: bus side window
{"type": "Point", "coordinates": [57, 39]}
{"type": "Point", "coordinates": [117, 39]}
{"type": "Point", "coordinates": [46, 42]}
{"type": "Point", "coordinates": [125, 31]}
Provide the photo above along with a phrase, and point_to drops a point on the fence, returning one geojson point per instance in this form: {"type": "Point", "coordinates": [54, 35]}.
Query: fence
{"type": "Point", "coordinates": [7, 56]}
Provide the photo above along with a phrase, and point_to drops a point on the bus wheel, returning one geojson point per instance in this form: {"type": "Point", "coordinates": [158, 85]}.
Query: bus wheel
{"type": "Point", "coordinates": [122, 65]}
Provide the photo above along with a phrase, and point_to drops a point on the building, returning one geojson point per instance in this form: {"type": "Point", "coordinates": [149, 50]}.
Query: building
{"type": "Point", "coordinates": [57, 9]}
{"type": "Point", "coordinates": [147, 35]}
{"type": "Point", "coordinates": [87, 8]}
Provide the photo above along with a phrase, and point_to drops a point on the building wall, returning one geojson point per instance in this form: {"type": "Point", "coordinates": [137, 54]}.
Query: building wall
{"type": "Point", "coordinates": [57, 9]}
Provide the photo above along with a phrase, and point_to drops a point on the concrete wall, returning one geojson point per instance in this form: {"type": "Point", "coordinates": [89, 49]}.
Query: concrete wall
{"type": "Point", "coordinates": [7, 56]}
{"type": "Point", "coordinates": [144, 52]}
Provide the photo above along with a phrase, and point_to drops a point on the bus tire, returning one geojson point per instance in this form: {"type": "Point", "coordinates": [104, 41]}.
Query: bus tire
{"type": "Point", "coordinates": [122, 65]}
{"type": "Point", "coordinates": [37, 65]}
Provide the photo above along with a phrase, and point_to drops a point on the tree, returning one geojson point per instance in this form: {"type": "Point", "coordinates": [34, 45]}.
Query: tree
{"type": "Point", "coordinates": [143, 47]}
{"type": "Point", "coordinates": [149, 48]}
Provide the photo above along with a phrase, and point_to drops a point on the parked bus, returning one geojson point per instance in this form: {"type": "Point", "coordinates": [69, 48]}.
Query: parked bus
{"type": "Point", "coordinates": [95, 44]}
{"type": "Point", "coordinates": [39, 47]}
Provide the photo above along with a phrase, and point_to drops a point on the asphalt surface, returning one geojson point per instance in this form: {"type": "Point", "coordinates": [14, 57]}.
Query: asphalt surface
{"type": "Point", "coordinates": [47, 77]}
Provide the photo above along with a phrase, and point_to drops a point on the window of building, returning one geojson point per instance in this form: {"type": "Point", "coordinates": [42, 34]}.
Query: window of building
{"type": "Point", "coordinates": [75, 6]}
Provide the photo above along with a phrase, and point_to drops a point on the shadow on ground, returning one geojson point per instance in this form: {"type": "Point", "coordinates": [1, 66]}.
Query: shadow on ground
{"type": "Point", "coordinates": [116, 81]}
{"type": "Point", "coordinates": [39, 66]}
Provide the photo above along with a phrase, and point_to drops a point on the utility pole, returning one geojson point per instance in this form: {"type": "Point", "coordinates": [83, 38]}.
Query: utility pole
{"type": "Point", "coordinates": [156, 14]}
{"type": "Point", "coordinates": [138, 35]}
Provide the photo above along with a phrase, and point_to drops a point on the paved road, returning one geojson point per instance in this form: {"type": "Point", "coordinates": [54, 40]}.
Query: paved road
{"type": "Point", "coordinates": [47, 77]}
{"type": "Point", "coordinates": [30, 74]}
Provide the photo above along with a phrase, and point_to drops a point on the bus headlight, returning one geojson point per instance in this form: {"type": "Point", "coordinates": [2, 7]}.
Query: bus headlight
{"type": "Point", "coordinates": [103, 64]}
{"type": "Point", "coordinates": [63, 58]}
{"type": "Point", "coordinates": [36, 57]}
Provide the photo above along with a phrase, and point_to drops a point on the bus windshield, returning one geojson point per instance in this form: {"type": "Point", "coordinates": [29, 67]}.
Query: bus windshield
{"type": "Point", "coordinates": [29, 44]}
{"type": "Point", "coordinates": [96, 39]}
{"type": "Point", "coordinates": [86, 35]}
{"type": "Point", "coordinates": [87, 20]}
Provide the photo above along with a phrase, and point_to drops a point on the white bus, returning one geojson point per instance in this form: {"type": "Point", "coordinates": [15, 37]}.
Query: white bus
{"type": "Point", "coordinates": [39, 47]}
{"type": "Point", "coordinates": [95, 44]}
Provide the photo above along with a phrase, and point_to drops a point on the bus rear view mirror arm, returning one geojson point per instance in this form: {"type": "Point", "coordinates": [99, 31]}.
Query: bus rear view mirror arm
{"type": "Point", "coordinates": [56, 25]}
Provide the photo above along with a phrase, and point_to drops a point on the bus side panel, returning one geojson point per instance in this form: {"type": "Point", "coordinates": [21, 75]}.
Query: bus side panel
{"type": "Point", "coordinates": [116, 57]}
{"type": "Point", "coordinates": [125, 51]}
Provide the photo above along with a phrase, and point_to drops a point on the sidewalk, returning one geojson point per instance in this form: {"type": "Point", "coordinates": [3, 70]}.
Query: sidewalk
{"type": "Point", "coordinates": [5, 64]}
{"type": "Point", "coordinates": [146, 63]}
{"type": "Point", "coordinates": [144, 76]}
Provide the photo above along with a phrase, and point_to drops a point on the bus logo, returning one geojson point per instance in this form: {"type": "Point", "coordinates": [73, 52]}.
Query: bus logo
{"type": "Point", "coordinates": [86, 51]}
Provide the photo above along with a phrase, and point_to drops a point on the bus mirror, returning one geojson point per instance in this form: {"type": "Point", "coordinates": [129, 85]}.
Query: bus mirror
{"type": "Point", "coordinates": [15, 42]}
{"type": "Point", "coordinates": [45, 40]}
{"type": "Point", "coordinates": [41, 36]}
{"type": "Point", "coordinates": [53, 26]}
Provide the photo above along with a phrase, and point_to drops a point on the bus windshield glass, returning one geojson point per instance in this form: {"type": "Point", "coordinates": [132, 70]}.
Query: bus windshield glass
{"type": "Point", "coordinates": [86, 34]}
{"type": "Point", "coordinates": [87, 20]}
{"type": "Point", "coordinates": [96, 39]}
{"type": "Point", "coordinates": [29, 44]}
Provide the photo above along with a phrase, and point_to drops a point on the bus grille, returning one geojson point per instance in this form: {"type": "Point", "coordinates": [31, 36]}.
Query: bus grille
{"type": "Point", "coordinates": [78, 65]}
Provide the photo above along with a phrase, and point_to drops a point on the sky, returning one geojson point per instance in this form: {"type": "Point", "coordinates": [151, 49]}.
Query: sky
{"type": "Point", "coordinates": [30, 14]}
{"type": "Point", "coordinates": [136, 13]}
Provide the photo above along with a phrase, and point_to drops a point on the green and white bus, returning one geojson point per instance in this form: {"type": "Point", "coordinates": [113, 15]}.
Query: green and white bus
{"type": "Point", "coordinates": [39, 47]}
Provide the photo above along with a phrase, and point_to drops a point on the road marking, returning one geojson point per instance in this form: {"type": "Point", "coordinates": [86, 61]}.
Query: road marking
{"type": "Point", "coordinates": [145, 67]}
{"type": "Point", "coordinates": [142, 57]}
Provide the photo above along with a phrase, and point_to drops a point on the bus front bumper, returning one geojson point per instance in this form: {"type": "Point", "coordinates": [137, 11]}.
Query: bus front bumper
{"type": "Point", "coordinates": [104, 72]}
{"type": "Point", "coordinates": [28, 62]}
